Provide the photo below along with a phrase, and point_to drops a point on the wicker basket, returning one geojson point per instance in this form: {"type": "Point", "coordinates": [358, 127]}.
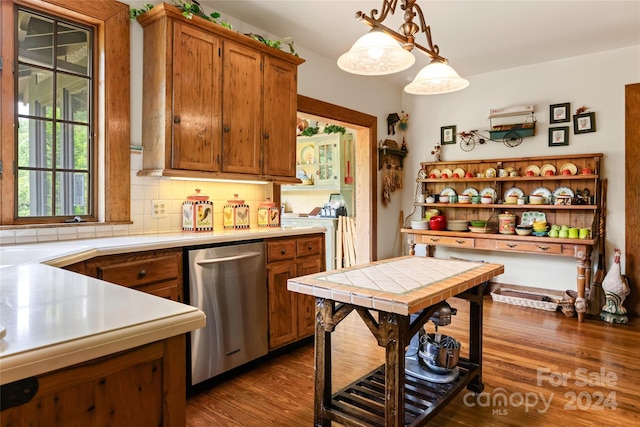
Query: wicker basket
{"type": "Point", "coordinates": [526, 299]}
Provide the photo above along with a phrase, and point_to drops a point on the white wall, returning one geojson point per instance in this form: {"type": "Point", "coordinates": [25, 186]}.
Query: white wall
{"type": "Point", "coordinates": [596, 81]}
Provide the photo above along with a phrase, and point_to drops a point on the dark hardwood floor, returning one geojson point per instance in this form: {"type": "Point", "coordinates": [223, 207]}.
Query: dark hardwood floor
{"type": "Point", "coordinates": [540, 369]}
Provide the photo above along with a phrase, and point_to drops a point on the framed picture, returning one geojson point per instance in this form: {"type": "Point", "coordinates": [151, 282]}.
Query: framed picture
{"type": "Point", "coordinates": [559, 113]}
{"type": "Point", "coordinates": [584, 123]}
{"type": "Point", "coordinates": [559, 136]}
{"type": "Point", "coordinates": [447, 135]}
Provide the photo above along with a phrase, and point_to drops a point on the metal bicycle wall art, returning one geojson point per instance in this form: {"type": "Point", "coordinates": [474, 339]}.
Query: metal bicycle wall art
{"type": "Point", "coordinates": [510, 134]}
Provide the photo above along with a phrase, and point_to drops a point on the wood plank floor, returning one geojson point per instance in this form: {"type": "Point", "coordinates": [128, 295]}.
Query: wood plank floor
{"type": "Point", "coordinates": [540, 369]}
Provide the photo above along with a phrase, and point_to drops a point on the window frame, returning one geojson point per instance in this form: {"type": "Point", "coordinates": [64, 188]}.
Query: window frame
{"type": "Point", "coordinates": [110, 18]}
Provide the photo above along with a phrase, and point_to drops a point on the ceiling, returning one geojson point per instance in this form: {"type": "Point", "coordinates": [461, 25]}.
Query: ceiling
{"type": "Point", "coordinates": [475, 36]}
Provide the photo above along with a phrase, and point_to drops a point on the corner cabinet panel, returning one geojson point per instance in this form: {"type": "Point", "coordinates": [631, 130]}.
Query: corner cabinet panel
{"type": "Point", "coordinates": [291, 315]}
{"type": "Point", "coordinates": [280, 108]}
{"type": "Point", "coordinates": [197, 109]}
{"type": "Point", "coordinates": [282, 305]}
{"type": "Point", "coordinates": [241, 105]}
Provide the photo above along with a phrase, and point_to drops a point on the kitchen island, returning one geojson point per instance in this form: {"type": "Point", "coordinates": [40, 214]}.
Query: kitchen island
{"type": "Point", "coordinates": [395, 289]}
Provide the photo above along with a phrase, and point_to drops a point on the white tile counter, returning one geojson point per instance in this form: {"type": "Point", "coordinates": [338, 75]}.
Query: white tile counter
{"type": "Point", "coordinates": [56, 318]}
{"type": "Point", "coordinates": [63, 253]}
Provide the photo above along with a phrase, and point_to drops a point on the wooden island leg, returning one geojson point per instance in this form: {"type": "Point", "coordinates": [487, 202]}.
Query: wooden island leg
{"type": "Point", "coordinates": [395, 330]}
{"type": "Point", "coordinates": [324, 310]}
{"type": "Point", "coordinates": [475, 336]}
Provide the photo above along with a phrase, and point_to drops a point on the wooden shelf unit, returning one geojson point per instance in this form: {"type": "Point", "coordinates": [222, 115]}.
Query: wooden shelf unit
{"type": "Point", "coordinates": [578, 216]}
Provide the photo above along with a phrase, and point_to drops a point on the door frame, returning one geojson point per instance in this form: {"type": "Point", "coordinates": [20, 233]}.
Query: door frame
{"type": "Point", "coordinates": [632, 195]}
{"type": "Point", "coordinates": [366, 127]}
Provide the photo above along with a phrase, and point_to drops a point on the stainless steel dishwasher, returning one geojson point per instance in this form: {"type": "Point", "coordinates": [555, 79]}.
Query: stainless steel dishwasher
{"type": "Point", "coordinates": [228, 284]}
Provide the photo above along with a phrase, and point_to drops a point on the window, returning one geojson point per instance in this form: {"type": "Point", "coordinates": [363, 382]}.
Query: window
{"type": "Point", "coordinates": [54, 104]}
{"type": "Point", "coordinates": [65, 111]}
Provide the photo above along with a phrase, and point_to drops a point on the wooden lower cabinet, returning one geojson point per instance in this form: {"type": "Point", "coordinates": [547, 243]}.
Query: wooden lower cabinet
{"type": "Point", "coordinates": [291, 315]}
{"type": "Point", "coordinates": [144, 386]}
{"type": "Point", "coordinates": [156, 272]}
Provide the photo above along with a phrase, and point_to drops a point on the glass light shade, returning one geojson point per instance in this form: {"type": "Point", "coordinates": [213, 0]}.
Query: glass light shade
{"type": "Point", "coordinates": [436, 78]}
{"type": "Point", "coordinates": [376, 54]}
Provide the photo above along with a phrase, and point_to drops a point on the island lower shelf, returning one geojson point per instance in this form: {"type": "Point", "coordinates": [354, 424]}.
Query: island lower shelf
{"type": "Point", "coordinates": [364, 399]}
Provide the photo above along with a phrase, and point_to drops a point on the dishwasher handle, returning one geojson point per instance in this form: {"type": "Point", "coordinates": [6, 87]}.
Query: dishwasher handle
{"type": "Point", "coordinates": [228, 258]}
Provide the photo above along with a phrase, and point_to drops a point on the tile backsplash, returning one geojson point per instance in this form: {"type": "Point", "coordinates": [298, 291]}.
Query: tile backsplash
{"type": "Point", "coordinates": [143, 191]}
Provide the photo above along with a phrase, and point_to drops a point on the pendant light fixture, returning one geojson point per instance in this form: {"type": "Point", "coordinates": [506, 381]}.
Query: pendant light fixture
{"type": "Point", "coordinates": [384, 51]}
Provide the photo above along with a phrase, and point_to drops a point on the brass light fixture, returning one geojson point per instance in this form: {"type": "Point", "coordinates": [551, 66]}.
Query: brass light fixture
{"type": "Point", "coordinates": [379, 52]}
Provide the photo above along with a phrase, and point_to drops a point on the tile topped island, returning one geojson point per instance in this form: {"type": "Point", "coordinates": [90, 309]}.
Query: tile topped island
{"type": "Point", "coordinates": [396, 289]}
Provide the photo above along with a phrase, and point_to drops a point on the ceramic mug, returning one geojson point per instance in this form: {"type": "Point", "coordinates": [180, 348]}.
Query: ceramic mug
{"type": "Point", "coordinates": [420, 198]}
{"type": "Point", "coordinates": [583, 233]}
{"type": "Point", "coordinates": [475, 199]}
{"type": "Point", "coordinates": [502, 173]}
{"type": "Point", "coordinates": [573, 233]}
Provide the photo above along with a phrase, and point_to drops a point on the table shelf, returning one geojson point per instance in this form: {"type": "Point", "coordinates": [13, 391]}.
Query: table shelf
{"type": "Point", "coordinates": [363, 401]}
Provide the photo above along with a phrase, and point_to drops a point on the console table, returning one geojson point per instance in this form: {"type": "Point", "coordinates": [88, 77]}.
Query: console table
{"type": "Point", "coordinates": [394, 289]}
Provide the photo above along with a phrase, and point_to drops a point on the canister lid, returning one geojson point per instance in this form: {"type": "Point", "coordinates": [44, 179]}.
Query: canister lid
{"type": "Point", "coordinates": [198, 196]}
{"type": "Point", "coordinates": [267, 204]}
{"type": "Point", "coordinates": [236, 201]}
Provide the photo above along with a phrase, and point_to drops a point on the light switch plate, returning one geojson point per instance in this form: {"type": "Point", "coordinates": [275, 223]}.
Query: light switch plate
{"type": "Point", "coordinates": [159, 209]}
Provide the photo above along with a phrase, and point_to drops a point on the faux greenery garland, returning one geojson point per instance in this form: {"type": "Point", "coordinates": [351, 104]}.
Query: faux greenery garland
{"type": "Point", "coordinates": [192, 7]}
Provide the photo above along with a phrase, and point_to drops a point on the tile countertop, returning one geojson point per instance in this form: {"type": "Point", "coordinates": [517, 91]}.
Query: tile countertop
{"type": "Point", "coordinates": [54, 318]}
{"type": "Point", "coordinates": [63, 253]}
{"type": "Point", "coordinates": [402, 285]}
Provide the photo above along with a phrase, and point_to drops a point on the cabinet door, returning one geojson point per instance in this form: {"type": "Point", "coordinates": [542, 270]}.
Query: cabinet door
{"type": "Point", "coordinates": [283, 328]}
{"type": "Point", "coordinates": [242, 107]}
{"type": "Point", "coordinates": [279, 123]}
{"type": "Point", "coordinates": [307, 303]}
{"type": "Point", "coordinates": [328, 155]}
{"type": "Point", "coordinates": [197, 107]}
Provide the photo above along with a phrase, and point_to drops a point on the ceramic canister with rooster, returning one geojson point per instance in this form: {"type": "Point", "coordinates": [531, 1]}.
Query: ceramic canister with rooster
{"type": "Point", "coordinates": [197, 213]}
{"type": "Point", "coordinates": [235, 213]}
{"type": "Point", "coordinates": [268, 214]}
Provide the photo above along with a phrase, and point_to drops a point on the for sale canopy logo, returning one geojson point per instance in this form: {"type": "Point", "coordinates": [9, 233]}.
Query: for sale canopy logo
{"type": "Point", "coordinates": [583, 395]}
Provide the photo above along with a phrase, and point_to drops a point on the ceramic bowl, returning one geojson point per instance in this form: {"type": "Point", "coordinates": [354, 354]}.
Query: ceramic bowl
{"type": "Point", "coordinates": [523, 231]}
{"type": "Point", "coordinates": [486, 200]}
{"type": "Point", "coordinates": [420, 224]}
{"type": "Point", "coordinates": [536, 200]}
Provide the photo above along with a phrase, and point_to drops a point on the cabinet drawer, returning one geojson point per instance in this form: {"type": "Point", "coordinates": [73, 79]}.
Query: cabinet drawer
{"type": "Point", "coordinates": [141, 272]}
{"type": "Point", "coordinates": [281, 250]}
{"type": "Point", "coordinates": [308, 246]}
{"type": "Point", "coordinates": [463, 242]}
{"type": "Point", "coordinates": [544, 248]}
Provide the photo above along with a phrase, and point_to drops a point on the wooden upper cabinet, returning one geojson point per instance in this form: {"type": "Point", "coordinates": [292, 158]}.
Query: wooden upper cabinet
{"type": "Point", "coordinates": [279, 118]}
{"type": "Point", "coordinates": [197, 107]}
{"type": "Point", "coordinates": [242, 107]}
{"type": "Point", "coordinates": [216, 103]}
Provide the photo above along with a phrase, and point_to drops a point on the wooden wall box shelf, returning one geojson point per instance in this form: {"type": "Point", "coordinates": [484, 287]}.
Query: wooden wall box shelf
{"type": "Point", "coordinates": [390, 152]}
{"type": "Point", "coordinates": [216, 103]}
{"type": "Point", "coordinates": [580, 216]}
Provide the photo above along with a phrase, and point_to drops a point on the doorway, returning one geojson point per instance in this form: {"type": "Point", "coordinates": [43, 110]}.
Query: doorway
{"type": "Point", "coordinates": [366, 136]}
